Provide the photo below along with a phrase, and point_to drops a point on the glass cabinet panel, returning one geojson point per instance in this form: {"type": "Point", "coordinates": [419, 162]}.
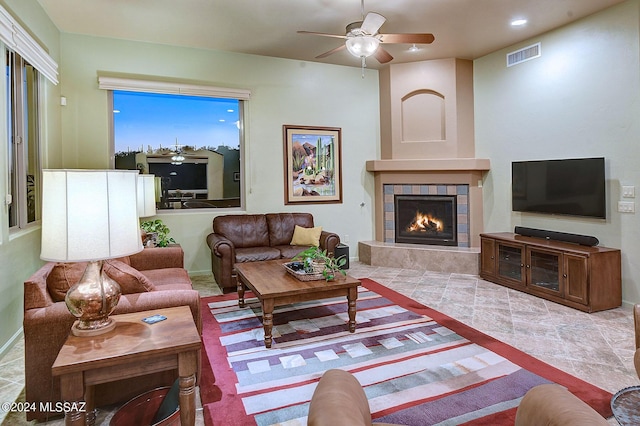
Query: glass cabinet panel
{"type": "Point", "coordinates": [544, 270]}
{"type": "Point", "coordinates": [510, 262]}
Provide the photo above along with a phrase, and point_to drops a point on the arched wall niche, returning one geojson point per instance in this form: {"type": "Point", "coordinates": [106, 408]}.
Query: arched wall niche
{"type": "Point", "coordinates": [423, 116]}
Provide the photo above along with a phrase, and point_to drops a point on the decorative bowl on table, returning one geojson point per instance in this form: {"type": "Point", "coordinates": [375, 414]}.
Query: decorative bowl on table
{"type": "Point", "coordinates": [298, 270]}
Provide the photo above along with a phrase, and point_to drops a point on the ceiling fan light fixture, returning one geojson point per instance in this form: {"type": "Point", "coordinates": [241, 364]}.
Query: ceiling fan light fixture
{"type": "Point", "coordinates": [362, 46]}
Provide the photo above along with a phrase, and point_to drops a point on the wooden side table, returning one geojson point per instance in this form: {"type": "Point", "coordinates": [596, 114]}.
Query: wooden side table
{"type": "Point", "coordinates": [133, 348]}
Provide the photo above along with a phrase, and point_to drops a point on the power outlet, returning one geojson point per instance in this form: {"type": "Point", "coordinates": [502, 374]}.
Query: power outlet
{"type": "Point", "coordinates": [626, 207]}
{"type": "Point", "coordinates": [346, 238]}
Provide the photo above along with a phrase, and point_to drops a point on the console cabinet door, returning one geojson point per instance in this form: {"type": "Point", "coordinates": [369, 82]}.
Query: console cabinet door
{"type": "Point", "coordinates": [576, 278]}
{"type": "Point", "coordinates": [544, 271]}
{"type": "Point", "coordinates": [510, 263]}
{"type": "Point", "coordinates": [488, 257]}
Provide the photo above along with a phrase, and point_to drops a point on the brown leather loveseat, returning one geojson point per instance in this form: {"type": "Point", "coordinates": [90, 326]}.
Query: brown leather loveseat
{"type": "Point", "coordinates": [257, 237]}
{"type": "Point", "coordinates": [152, 279]}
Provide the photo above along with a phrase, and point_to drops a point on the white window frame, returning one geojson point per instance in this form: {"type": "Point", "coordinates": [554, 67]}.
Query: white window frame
{"type": "Point", "coordinates": [111, 83]}
{"type": "Point", "coordinates": [21, 151]}
{"type": "Point", "coordinates": [20, 41]}
{"type": "Point", "coordinates": [15, 38]}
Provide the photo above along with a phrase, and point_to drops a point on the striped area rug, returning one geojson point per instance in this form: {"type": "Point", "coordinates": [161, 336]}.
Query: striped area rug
{"type": "Point", "coordinates": [417, 366]}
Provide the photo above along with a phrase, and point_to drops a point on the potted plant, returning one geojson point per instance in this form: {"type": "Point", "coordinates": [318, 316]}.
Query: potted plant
{"type": "Point", "coordinates": [159, 230]}
{"type": "Point", "coordinates": [315, 257]}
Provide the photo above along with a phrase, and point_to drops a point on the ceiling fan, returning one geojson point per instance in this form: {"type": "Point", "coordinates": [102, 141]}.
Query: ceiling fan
{"type": "Point", "coordinates": [363, 40]}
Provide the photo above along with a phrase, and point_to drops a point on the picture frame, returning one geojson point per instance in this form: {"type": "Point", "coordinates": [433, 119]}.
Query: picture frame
{"type": "Point", "coordinates": [312, 164]}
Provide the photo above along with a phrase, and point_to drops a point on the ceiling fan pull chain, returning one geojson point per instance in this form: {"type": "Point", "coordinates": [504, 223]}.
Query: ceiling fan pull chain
{"type": "Point", "coordinates": [364, 65]}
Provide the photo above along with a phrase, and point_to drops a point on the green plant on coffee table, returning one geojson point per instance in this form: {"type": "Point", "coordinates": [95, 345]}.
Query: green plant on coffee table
{"type": "Point", "coordinates": [332, 265]}
{"type": "Point", "coordinates": [160, 229]}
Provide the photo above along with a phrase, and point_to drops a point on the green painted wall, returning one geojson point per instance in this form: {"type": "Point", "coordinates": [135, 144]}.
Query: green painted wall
{"type": "Point", "coordinates": [581, 98]}
{"type": "Point", "coordinates": [282, 92]}
{"type": "Point", "coordinates": [20, 251]}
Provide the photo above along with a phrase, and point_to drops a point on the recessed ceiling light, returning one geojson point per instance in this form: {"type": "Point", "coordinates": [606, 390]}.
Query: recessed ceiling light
{"type": "Point", "coordinates": [229, 110]}
{"type": "Point", "coordinates": [116, 111]}
{"type": "Point", "coordinates": [518, 22]}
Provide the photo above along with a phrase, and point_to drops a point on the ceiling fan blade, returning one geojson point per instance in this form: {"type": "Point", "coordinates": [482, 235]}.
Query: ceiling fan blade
{"type": "Point", "coordinates": [407, 38]}
{"type": "Point", "coordinates": [382, 55]}
{"type": "Point", "coordinates": [331, 52]}
{"type": "Point", "coordinates": [372, 23]}
{"type": "Point", "coordinates": [322, 34]}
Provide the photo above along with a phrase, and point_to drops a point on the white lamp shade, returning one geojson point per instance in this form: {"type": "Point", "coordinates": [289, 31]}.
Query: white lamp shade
{"type": "Point", "coordinates": [89, 215]}
{"type": "Point", "coordinates": [146, 195]}
{"type": "Point", "coordinates": [362, 46]}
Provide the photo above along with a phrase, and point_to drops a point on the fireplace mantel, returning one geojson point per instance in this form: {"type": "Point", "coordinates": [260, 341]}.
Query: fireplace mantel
{"type": "Point", "coordinates": [429, 165]}
{"type": "Point", "coordinates": [431, 171]}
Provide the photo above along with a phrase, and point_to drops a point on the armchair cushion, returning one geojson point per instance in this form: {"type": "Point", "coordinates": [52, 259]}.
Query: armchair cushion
{"type": "Point", "coordinates": [306, 236]}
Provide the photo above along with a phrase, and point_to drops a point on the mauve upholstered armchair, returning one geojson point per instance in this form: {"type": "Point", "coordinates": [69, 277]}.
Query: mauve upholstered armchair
{"type": "Point", "coordinates": [154, 278]}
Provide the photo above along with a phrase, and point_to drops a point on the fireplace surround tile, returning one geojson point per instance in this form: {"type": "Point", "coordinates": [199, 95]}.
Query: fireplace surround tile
{"type": "Point", "coordinates": [461, 191]}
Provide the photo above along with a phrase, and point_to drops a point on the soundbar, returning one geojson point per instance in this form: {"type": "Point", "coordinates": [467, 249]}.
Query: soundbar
{"type": "Point", "coordinates": [585, 240]}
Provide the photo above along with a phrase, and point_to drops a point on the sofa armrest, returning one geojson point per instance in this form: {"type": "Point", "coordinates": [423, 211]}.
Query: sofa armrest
{"type": "Point", "coordinates": [329, 241]}
{"type": "Point", "coordinates": [36, 294]}
{"type": "Point", "coordinates": [636, 326]}
{"type": "Point", "coordinates": [220, 245]}
{"type": "Point", "coordinates": [158, 258]}
{"type": "Point", "coordinates": [554, 405]}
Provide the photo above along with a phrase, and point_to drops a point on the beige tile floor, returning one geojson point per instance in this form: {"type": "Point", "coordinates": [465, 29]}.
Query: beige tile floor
{"type": "Point", "coordinates": [597, 348]}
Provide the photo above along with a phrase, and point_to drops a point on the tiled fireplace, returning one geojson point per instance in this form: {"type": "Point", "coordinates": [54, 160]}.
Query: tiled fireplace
{"type": "Point", "coordinates": [427, 150]}
{"type": "Point", "coordinates": [458, 178]}
{"type": "Point", "coordinates": [426, 214]}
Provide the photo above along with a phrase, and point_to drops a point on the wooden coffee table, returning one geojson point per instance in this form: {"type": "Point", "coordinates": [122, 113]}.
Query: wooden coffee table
{"type": "Point", "coordinates": [273, 286]}
{"type": "Point", "coordinates": [134, 348]}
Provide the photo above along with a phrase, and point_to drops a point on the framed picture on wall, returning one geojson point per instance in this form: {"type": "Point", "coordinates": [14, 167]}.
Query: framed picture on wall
{"type": "Point", "coordinates": [313, 164]}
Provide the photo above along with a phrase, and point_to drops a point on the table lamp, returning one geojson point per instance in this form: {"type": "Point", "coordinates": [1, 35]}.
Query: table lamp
{"type": "Point", "coordinates": [90, 216]}
{"type": "Point", "coordinates": [146, 195]}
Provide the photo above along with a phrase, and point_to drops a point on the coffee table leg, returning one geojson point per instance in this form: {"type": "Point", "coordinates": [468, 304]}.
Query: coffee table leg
{"type": "Point", "coordinates": [352, 295]}
{"type": "Point", "coordinates": [240, 287]}
{"type": "Point", "coordinates": [267, 320]}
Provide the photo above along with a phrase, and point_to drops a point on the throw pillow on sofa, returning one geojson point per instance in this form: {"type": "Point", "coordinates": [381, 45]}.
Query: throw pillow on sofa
{"type": "Point", "coordinates": [62, 277]}
{"type": "Point", "coordinates": [65, 275]}
{"type": "Point", "coordinates": [130, 279]}
{"type": "Point", "coordinates": [306, 236]}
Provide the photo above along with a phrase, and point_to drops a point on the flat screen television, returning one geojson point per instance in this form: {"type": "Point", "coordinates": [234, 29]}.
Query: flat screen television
{"type": "Point", "coordinates": [574, 187]}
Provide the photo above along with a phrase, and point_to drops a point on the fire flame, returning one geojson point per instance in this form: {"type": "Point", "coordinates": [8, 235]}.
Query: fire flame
{"type": "Point", "coordinates": [425, 222]}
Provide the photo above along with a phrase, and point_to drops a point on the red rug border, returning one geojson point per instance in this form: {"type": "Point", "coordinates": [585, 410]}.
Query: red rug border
{"type": "Point", "coordinates": [225, 379]}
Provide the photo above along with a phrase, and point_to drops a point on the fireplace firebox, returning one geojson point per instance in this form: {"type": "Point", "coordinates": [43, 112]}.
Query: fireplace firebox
{"type": "Point", "coordinates": [426, 219]}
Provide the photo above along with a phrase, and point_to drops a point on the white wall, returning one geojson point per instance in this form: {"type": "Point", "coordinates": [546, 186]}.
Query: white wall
{"type": "Point", "coordinates": [579, 99]}
{"type": "Point", "coordinates": [283, 92]}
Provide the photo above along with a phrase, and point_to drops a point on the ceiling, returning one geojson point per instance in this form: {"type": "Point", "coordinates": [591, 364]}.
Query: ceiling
{"type": "Point", "coordinates": [462, 28]}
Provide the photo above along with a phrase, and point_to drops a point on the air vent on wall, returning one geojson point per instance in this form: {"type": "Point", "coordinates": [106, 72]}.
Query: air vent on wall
{"type": "Point", "coordinates": [523, 55]}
